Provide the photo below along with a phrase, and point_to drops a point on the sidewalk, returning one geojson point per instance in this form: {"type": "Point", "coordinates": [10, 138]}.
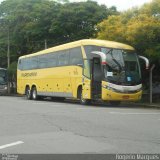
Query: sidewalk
{"type": "Point", "coordinates": [143, 104]}
{"type": "Point", "coordinates": [133, 104]}
{"type": "Point", "coordinates": [155, 105]}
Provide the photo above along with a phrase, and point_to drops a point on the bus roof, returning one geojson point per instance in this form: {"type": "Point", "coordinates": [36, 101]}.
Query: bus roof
{"type": "Point", "coordinates": [103, 43]}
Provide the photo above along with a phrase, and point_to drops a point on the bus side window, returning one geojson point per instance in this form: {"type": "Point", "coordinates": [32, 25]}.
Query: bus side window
{"type": "Point", "coordinates": [19, 65]}
{"type": "Point", "coordinates": [42, 61]}
{"type": "Point", "coordinates": [89, 49]}
{"type": "Point", "coordinates": [86, 70]}
{"type": "Point", "coordinates": [33, 62]}
{"type": "Point", "coordinates": [63, 58]}
{"type": "Point", "coordinates": [47, 60]}
{"type": "Point", "coordinates": [67, 57]}
{"type": "Point", "coordinates": [51, 60]}
{"type": "Point", "coordinates": [25, 64]}
{"type": "Point", "coordinates": [76, 56]}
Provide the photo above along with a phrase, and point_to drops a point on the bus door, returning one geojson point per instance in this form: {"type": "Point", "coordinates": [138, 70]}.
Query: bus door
{"type": "Point", "coordinates": [86, 79]}
{"type": "Point", "coordinates": [97, 75]}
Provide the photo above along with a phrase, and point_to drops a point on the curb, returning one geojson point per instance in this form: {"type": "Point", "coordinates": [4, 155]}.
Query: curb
{"type": "Point", "coordinates": [151, 105]}
{"type": "Point", "coordinates": [144, 105]}
{"type": "Point", "coordinates": [154, 106]}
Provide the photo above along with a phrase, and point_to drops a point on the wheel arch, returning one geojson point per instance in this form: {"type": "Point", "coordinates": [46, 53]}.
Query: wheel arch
{"type": "Point", "coordinates": [33, 85]}
{"type": "Point", "coordinates": [79, 88]}
{"type": "Point", "coordinates": [26, 87]}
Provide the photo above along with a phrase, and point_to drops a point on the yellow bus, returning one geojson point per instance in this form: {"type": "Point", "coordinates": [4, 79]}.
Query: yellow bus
{"type": "Point", "coordinates": [87, 70]}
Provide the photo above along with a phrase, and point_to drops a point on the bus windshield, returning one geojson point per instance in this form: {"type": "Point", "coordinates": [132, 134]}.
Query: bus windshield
{"type": "Point", "coordinates": [122, 66]}
{"type": "Point", "coordinates": [3, 77]}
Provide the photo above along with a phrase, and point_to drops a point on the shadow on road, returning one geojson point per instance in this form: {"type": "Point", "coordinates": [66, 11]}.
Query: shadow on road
{"type": "Point", "coordinates": [100, 104]}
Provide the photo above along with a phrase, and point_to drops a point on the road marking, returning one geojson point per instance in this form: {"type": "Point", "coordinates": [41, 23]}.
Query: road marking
{"type": "Point", "coordinates": [130, 113]}
{"type": "Point", "coordinates": [11, 144]}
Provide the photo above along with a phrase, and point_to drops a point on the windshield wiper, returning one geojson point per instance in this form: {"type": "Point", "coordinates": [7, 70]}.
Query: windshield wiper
{"type": "Point", "coordinates": [114, 67]}
{"type": "Point", "coordinates": [115, 61]}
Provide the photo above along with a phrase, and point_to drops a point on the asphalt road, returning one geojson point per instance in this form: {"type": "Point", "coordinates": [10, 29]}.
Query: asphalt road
{"type": "Point", "coordinates": [67, 127]}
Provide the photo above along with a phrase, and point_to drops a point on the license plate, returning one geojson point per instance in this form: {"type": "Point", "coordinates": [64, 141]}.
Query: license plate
{"type": "Point", "coordinates": [125, 97]}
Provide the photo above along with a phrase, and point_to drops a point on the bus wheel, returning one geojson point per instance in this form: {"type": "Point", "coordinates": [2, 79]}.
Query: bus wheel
{"type": "Point", "coordinates": [34, 93]}
{"type": "Point", "coordinates": [82, 100]}
{"type": "Point", "coordinates": [115, 103]}
{"type": "Point", "coordinates": [28, 93]}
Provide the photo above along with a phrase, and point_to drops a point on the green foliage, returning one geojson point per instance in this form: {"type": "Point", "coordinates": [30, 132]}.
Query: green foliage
{"type": "Point", "coordinates": [12, 68]}
{"type": "Point", "coordinates": [12, 72]}
{"type": "Point", "coordinates": [31, 22]}
{"type": "Point", "coordinates": [151, 9]}
{"type": "Point", "coordinates": [112, 29]}
{"type": "Point", "coordinates": [137, 27]}
{"type": "Point", "coordinates": [27, 22]}
{"type": "Point", "coordinates": [77, 20]}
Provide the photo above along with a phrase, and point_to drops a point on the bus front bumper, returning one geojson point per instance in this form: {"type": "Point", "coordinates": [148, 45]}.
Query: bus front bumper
{"type": "Point", "coordinates": [109, 95]}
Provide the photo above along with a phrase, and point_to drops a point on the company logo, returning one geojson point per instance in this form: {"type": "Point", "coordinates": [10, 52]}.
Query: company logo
{"type": "Point", "coordinates": [32, 74]}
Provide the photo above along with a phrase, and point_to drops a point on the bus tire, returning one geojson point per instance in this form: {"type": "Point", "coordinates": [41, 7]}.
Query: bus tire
{"type": "Point", "coordinates": [34, 93]}
{"type": "Point", "coordinates": [82, 100]}
{"type": "Point", "coordinates": [28, 93]}
{"type": "Point", "coordinates": [57, 98]}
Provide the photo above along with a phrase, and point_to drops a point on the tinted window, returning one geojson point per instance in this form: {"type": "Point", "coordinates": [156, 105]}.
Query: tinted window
{"type": "Point", "coordinates": [52, 60]}
{"type": "Point", "coordinates": [19, 64]}
{"type": "Point", "coordinates": [86, 70]}
{"type": "Point", "coordinates": [24, 63]}
{"type": "Point", "coordinates": [89, 49]}
{"type": "Point", "coordinates": [42, 59]}
{"type": "Point", "coordinates": [28, 63]}
{"type": "Point", "coordinates": [3, 77]}
{"type": "Point", "coordinates": [76, 56]}
{"type": "Point", "coordinates": [47, 60]}
{"type": "Point", "coordinates": [63, 58]}
{"type": "Point", "coordinates": [32, 63]}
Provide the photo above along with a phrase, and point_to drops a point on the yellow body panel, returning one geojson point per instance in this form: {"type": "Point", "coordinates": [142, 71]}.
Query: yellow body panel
{"type": "Point", "coordinates": [60, 79]}
{"type": "Point", "coordinates": [113, 96]}
{"type": "Point", "coordinates": [109, 95]}
{"type": "Point", "coordinates": [86, 88]}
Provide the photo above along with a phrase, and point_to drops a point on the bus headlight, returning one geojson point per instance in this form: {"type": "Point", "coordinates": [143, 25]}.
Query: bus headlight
{"type": "Point", "coordinates": [121, 91]}
{"type": "Point", "coordinates": [109, 88]}
{"type": "Point", "coordinates": [5, 87]}
{"type": "Point", "coordinates": [112, 89]}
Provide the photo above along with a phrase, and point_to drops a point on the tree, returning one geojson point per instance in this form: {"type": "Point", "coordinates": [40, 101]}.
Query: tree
{"type": "Point", "coordinates": [151, 9]}
{"type": "Point", "coordinates": [77, 20]}
{"type": "Point", "coordinates": [29, 23]}
{"type": "Point", "coordinates": [136, 27]}
{"type": "Point", "coordinates": [112, 29]}
{"type": "Point", "coordinates": [143, 32]}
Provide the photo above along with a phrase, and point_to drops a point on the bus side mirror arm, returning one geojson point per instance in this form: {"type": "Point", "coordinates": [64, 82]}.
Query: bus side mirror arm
{"type": "Point", "coordinates": [102, 55]}
{"type": "Point", "coordinates": [146, 61]}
